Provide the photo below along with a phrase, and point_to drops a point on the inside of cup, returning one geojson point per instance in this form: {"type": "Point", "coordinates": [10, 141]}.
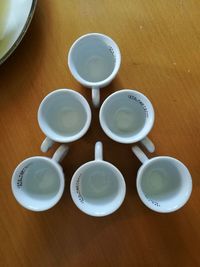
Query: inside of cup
{"type": "Point", "coordinates": [100, 188]}
{"type": "Point", "coordinates": [126, 116]}
{"type": "Point", "coordinates": [92, 59]}
{"type": "Point", "coordinates": [165, 184]}
{"type": "Point", "coordinates": [63, 115]}
{"type": "Point", "coordinates": [36, 184]}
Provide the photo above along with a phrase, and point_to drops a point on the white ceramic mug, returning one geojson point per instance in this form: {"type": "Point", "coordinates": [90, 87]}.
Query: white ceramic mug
{"type": "Point", "coordinates": [164, 184]}
{"type": "Point", "coordinates": [64, 116]}
{"type": "Point", "coordinates": [94, 60]}
{"type": "Point", "coordinates": [97, 187]}
{"type": "Point", "coordinates": [127, 116]}
{"type": "Point", "coordinates": [38, 182]}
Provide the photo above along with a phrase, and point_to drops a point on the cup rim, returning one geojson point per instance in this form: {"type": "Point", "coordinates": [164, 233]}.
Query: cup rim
{"type": "Point", "coordinates": [73, 188]}
{"type": "Point", "coordinates": [141, 194]}
{"type": "Point", "coordinates": [61, 178]}
{"type": "Point", "coordinates": [76, 136]}
{"type": "Point", "coordinates": [99, 83]}
{"type": "Point", "coordinates": [126, 140]}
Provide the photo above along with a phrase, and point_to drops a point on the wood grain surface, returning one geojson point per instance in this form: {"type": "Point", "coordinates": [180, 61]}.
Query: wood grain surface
{"type": "Point", "coordinates": [160, 47]}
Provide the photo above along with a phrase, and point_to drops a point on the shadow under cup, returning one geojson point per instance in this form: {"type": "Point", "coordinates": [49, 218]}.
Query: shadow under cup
{"type": "Point", "coordinates": [98, 188]}
{"type": "Point", "coordinates": [38, 183]}
{"type": "Point", "coordinates": [164, 184]}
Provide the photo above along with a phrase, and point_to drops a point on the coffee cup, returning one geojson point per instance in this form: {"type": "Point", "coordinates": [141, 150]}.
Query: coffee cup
{"type": "Point", "coordinates": [164, 184]}
{"type": "Point", "coordinates": [38, 182]}
{"type": "Point", "coordinates": [127, 116]}
{"type": "Point", "coordinates": [64, 116]}
{"type": "Point", "coordinates": [94, 60]}
{"type": "Point", "coordinates": [98, 187]}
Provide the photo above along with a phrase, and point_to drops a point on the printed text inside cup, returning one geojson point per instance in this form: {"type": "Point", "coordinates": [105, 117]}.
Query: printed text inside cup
{"type": "Point", "coordinates": [132, 97]}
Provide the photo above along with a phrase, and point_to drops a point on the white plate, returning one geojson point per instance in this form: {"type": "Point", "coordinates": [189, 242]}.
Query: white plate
{"type": "Point", "coordinates": [19, 18]}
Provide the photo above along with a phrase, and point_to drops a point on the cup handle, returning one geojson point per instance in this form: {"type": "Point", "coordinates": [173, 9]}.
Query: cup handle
{"type": "Point", "coordinates": [96, 96]}
{"type": "Point", "coordinates": [60, 153]}
{"type": "Point", "coordinates": [148, 144]}
{"type": "Point", "coordinates": [46, 144]}
{"type": "Point", "coordinates": [139, 154]}
{"type": "Point", "coordinates": [98, 151]}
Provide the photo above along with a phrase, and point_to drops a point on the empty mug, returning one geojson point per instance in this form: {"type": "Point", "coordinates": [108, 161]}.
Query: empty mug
{"type": "Point", "coordinates": [97, 187]}
{"type": "Point", "coordinates": [94, 60]}
{"type": "Point", "coordinates": [64, 116]}
{"type": "Point", "coordinates": [38, 182]}
{"type": "Point", "coordinates": [127, 116]}
{"type": "Point", "coordinates": [164, 184]}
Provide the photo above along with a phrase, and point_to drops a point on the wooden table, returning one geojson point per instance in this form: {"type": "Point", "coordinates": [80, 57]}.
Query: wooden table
{"type": "Point", "coordinates": [160, 46]}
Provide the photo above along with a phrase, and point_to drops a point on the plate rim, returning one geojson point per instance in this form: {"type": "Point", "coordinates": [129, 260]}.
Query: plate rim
{"type": "Point", "coordinates": [21, 35]}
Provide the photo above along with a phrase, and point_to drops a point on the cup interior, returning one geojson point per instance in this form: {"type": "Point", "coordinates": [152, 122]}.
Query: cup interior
{"type": "Point", "coordinates": [98, 188]}
{"type": "Point", "coordinates": [64, 115]}
{"type": "Point", "coordinates": [93, 57]}
{"type": "Point", "coordinates": [37, 183]}
{"type": "Point", "coordinates": [164, 184]}
{"type": "Point", "coordinates": [126, 116]}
